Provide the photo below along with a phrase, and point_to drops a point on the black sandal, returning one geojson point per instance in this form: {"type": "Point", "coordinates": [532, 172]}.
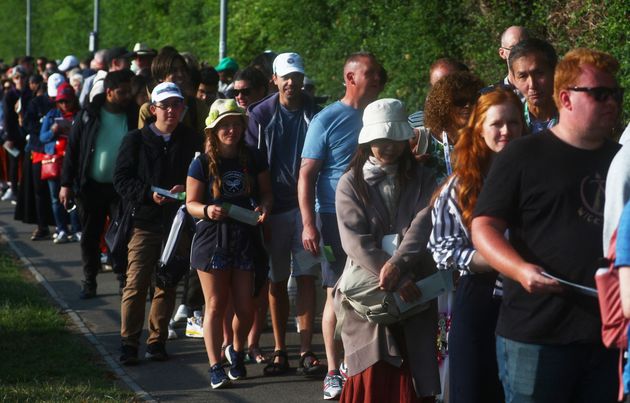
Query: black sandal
{"type": "Point", "coordinates": [309, 364]}
{"type": "Point", "coordinates": [277, 368]}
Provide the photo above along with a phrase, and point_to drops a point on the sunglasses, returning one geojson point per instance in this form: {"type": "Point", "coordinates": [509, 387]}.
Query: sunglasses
{"type": "Point", "coordinates": [244, 91]}
{"type": "Point", "coordinates": [63, 101]}
{"type": "Point", "coordinates": [601, 94]}
{"type": "Point", "coordinates": [461, 103]}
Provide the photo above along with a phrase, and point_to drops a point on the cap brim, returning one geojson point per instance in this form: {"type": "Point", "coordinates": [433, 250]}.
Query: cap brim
{"type": "Point", "coordinates": [396, 131]}
{"type": "Point", "coordinates": [218, 119]}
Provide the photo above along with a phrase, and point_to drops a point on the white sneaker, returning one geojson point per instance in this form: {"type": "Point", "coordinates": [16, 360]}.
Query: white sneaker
{"type": "Point", "coordinates": [76, 237]}
{"type": "Point", "coordinates": [182, 314]}
{"type": "Point", "coordinates": [333, 385]}
{"type": "Point", "coordinates": [62, 237]}
{"type": "Point", "coordinates": [194, 326]}
{"type": "Point", "coordinates": [8, 195]}
{"type": "Point", "coordinates": [171, 332]}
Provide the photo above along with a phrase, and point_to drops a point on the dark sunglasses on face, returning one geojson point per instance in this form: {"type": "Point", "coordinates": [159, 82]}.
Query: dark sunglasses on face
{"type": "Point", "coordinates": [462, 103]}
{"type": "Point", "coordinates": [63, 101]}
{"type": "Point", "coordinates": [601, 94]}
{"type": "Point", "coordinates": [244, 91]}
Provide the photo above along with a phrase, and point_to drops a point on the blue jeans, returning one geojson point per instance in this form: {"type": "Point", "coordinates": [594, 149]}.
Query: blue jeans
{"type": "Point", "coordinates": [557, 373]}
{"type": "Point", "coordinates": [59, 212]}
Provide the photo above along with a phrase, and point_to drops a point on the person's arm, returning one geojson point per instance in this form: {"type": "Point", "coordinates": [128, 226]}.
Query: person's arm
{"type": "Point", "coordinates": [195, 191]}
{"type": "Point", "coordinates": [48, 130]}
{"type": "Point", "coordinates": [266, 195]}
{"type": "Point", "coordinates": [127, 183]}
{"type": "Point", "coordinates": [71, 159]}
{"type": "Point", "coordinates": [488, 239]}
{"type": "Point", "coordinates": [449, 243]}
{"type": "Point", "coordinates": [624, 289]}
{"type": "Point", "coordinates": [306, 197]}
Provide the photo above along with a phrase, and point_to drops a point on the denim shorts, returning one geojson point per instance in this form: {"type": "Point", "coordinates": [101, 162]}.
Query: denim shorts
{"type": "Point", "coordinates": [578, 372]}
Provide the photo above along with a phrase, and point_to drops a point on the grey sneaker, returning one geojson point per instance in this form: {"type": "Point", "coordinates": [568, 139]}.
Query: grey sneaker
{"type": "Point", "coordinates": [333, 385]}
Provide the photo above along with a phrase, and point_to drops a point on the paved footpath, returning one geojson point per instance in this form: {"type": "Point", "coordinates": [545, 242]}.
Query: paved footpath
{"type": "Point", "coordinates": [184, 376]}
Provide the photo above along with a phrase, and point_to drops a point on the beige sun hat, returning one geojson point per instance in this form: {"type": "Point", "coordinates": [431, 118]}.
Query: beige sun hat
{"type": "Point", "coordinates": [222, 108]}
{"type": "Point", "coordinates": [385, 119]}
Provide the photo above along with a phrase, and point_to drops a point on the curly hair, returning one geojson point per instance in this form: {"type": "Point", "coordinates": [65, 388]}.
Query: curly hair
{"type": "Point", "coordinates": [212, 151]}
{"type": "Point", "coordinates": [439, 108]}
{"type": "Point", "coordinates": [472, 156]}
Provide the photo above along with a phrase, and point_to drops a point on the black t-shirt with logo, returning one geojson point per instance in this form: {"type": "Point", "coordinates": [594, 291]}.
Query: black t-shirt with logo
{"type": "Point", "coordinates": [551, 195]}
{"type": "Point", "coordinates": [232, 172]}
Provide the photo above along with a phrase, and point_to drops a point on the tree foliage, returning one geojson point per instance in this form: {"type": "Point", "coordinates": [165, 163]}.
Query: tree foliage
{"type": "Point", "coordinates": [406, 35]}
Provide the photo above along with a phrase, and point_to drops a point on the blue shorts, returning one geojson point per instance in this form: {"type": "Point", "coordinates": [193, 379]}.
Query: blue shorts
{"type": "Point", "coordinates": [331, 271]}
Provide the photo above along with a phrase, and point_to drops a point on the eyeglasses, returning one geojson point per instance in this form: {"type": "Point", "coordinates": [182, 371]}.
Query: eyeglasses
{"type": "Point", "coordinates": [171, 106]}
{"type": "Point", "coordinates": [63, 101]}
{"type": "Point", "coordinates": [244, 91]}
{"type": "Point", "coordinates": [601, 94]}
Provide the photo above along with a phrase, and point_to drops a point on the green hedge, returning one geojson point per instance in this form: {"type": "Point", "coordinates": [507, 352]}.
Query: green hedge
{"type": "Point", "coordinates": [406, 35]}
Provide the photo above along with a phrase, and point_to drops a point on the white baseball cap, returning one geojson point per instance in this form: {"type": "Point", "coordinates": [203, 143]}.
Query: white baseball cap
{"type": "Point", "coordinates": [164, 91]}
{"type": "Point", "coordinates": [385, 119]}
{"type": "Point", "coordinates": [54, 81]}
{"type": "Point", "coordinates": [69, 62]}
{"type": "Point", "coordinates": [287, 63]}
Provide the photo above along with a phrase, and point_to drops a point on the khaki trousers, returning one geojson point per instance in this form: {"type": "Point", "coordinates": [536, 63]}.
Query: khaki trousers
{"type": "Point", "coordinates": [144, 252]}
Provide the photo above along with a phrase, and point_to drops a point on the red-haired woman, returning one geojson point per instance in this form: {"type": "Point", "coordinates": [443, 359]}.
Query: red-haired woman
{"type": "Point", "coordinates": [473, 376]}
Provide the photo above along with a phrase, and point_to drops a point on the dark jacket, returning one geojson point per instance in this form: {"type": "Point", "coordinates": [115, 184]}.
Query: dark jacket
{"type": "Point", "coordinates": [33, 118]}
{"type": "Point", "coordinates": [146, 160]}
{"type": "Point", "coordinates": [80, 149]}
{"type": "Point", "coordinates": [13, 131]}
{"type": "Point", "coordinates": [262, 115]}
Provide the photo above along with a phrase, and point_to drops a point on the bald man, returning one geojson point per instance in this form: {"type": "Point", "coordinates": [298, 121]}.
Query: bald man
{"type": "Point", "coordinates": [330, 142]}
{"type": "Point", "coordinates": [509, 38]}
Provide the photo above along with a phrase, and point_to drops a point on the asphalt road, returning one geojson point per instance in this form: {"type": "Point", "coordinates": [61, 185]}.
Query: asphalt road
{"type": "Point", "coordinates": [184, 376]}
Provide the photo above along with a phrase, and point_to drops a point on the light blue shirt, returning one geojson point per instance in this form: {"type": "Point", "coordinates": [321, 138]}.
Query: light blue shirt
{"type": "Point", "coordinates": [332, 137]}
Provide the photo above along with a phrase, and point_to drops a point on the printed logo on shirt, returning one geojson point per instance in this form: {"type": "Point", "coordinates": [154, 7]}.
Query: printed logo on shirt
{"type": "Point", "coordinates": [233, 184]}
{"type": "Point", "coordinates": [592, 194]}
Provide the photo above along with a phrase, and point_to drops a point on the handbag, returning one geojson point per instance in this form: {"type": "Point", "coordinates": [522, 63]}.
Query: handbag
{"type": "Point", "coordinates": [614, 323]}
{"type": "Point", "coordinates": [359, 290]}
{"type": "Point", "coordinates": [51, 167]}
{"type": "Point", "coordinates": [118, 234]}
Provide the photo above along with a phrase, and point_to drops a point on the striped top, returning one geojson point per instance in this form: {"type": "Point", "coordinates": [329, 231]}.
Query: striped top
{"type": "Point", "coordinates": [450, 242]}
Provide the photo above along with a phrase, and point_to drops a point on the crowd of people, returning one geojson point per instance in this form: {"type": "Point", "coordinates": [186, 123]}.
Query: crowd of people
{"type": "Point", "coordinates": [511, 190]}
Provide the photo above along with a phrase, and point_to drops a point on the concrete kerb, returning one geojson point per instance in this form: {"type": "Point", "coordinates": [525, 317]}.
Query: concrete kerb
{"type": "Point", "coordinates": [78, 322]}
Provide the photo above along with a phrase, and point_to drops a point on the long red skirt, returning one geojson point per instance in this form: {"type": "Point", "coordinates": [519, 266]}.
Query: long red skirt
{"type": "Point", "coordinates": [382, 383]}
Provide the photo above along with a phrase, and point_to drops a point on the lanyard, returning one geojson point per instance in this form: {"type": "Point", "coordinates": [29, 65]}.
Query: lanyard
{"type": "Point", "coordinates": [528, 120]}
{"type": "Point", "coordinates": [447, 154]}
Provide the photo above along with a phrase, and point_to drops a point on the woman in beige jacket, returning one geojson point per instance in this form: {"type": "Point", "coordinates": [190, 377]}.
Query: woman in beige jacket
{"type": "Point", "coordinates": [385, 191]}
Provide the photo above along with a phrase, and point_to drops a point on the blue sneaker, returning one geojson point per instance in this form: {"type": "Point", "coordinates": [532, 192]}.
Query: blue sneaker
{"type": "Point", "coordinates": [237, 363]}
{"type": "Point", "coordinates": [218, 379]}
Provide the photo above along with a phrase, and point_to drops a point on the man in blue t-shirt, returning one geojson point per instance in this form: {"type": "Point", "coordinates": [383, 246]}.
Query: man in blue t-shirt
{"type": "Point", "coordinates": [328, 148]}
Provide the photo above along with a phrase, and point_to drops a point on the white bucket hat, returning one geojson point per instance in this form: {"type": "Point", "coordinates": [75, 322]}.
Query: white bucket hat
{"type": "Point", "coordinates": [385, 119]}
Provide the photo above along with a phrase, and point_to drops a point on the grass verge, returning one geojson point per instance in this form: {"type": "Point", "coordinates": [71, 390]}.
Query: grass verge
{"type": "Point", "coordinates": [41, 359]}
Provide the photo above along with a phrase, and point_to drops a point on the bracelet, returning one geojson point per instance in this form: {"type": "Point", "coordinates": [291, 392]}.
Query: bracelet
{"type": "Point", "coordinates": [205, 212]}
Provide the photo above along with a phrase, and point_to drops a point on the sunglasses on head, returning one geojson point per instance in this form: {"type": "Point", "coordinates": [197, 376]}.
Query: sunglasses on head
{"type": "Point", "coordinates": [244, 91]}
{"type": "Point", "coordinates": [601, 94]}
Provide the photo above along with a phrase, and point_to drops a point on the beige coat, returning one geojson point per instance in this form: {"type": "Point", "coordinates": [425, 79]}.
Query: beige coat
{"type": "Point", "coordinates": [362, 228]}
